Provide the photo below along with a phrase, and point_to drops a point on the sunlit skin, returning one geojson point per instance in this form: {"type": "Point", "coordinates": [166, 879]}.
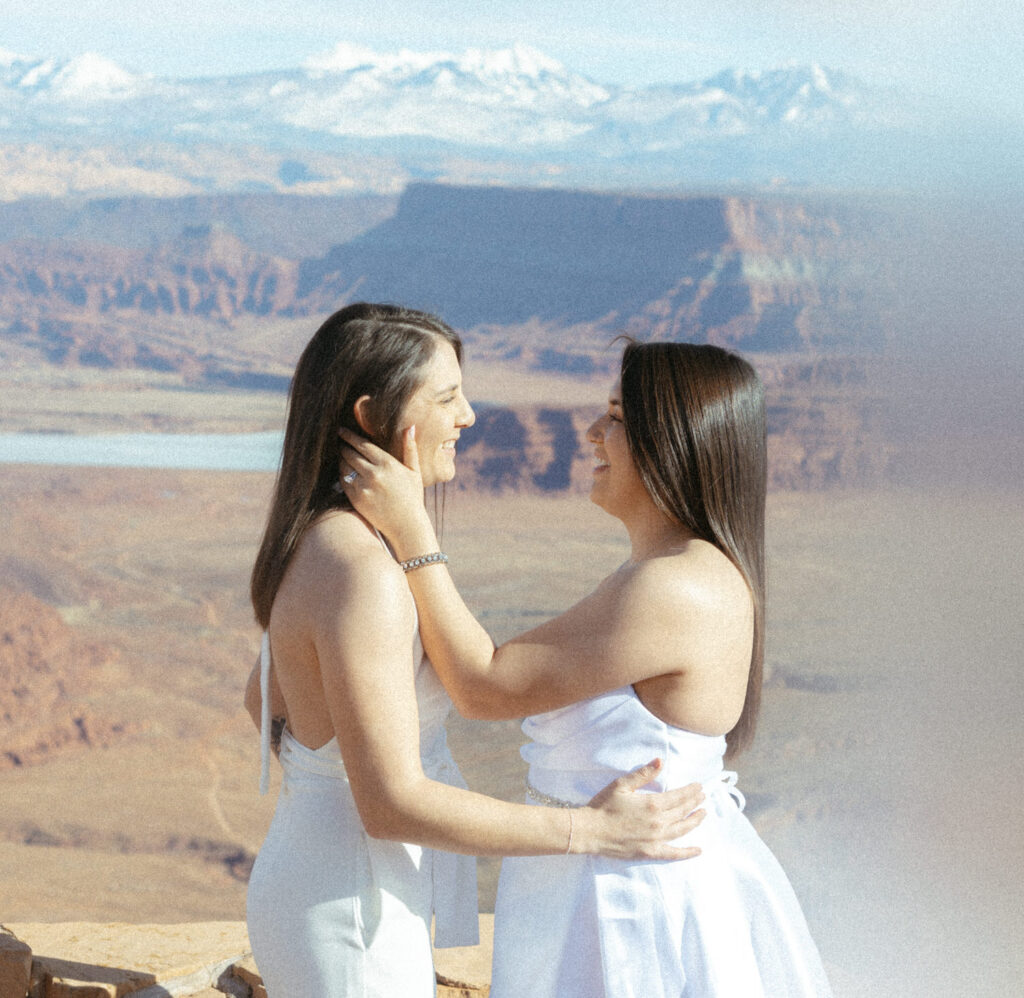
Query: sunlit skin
{"type": "Point", "coordinates": [617, 486]}
{"type": "Point", "coordinates": [675, 621]}
{"type": "Point", "coordinates": [439, 412]}
{"type": "Point", "coordinates": [342, 631]}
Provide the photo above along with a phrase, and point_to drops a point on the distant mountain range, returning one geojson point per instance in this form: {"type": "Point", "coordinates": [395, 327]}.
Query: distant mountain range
{"type": "Point", "coordinates": [545, 276]}
{"type": "Point", "coordinates": [356, 120]}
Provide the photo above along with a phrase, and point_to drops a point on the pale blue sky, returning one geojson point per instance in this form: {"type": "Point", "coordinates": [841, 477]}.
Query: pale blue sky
{"type": "Point", "coordinates": [968, 53]}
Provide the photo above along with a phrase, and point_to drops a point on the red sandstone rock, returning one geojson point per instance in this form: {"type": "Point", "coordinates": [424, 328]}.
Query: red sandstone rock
{"type": "Point", "coordinates": [465, 971]}
{"type": "Point", "coordinates": [44, 666]}
{"type": "Point", "coordinates": [96, 960]}
{"type": "Point", "coordinates": [15, 965]}
{"type": "Point", "coordinates": [247, 972]}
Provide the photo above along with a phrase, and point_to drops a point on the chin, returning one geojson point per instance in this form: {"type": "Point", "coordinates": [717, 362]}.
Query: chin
{"type": "Point", "coordinates": [441, 476]}
{"type": "Point", "coordinates": [605, 502]}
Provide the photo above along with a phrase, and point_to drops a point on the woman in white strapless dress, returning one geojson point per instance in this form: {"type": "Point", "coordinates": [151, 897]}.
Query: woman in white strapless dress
{"type": "Point", "coordinates": [725, 924]}
{"type": "Point", "coordinates": [360, 854]}
{"type": "Point", "coordinates": [664, 659]}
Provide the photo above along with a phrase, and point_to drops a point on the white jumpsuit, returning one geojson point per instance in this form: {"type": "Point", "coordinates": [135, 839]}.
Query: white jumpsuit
{"type": "Point", "coordinates": [334, 913]}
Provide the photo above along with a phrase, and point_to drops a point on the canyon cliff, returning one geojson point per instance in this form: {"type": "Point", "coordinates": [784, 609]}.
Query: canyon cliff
{"type": "Point", "coordinates": [825, 428]}
{"type": "Point", "coordinates": [538, 280]}
{"type": "Point", "coordinates": [760, 274]}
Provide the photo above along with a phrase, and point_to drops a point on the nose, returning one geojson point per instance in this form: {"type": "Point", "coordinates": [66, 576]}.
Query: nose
{"type": "Point", "coordinates": [466, 417]}
{"type": "Point", "coordinates": [595, 432]}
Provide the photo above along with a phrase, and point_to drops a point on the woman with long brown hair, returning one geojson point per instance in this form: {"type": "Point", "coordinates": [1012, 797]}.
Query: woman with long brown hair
{"type": "Point", "coordinates": [664, 657]}
{"type": "Point", "coordinates": [359, 855]}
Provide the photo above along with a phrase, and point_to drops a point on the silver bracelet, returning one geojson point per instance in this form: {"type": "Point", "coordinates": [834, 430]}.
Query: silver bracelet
{"type": "Point", "coordinates": [436, 558]}
{"type": "Point", "coordinates": [541, 798]}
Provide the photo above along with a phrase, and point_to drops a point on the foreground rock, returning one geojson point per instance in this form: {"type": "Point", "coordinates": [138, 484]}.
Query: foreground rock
{"type": "Point", "coordinates": [93, 960]}
{"type": "Point", "coordinates": [465, 972]}
{"type": "Point", "coordinates": [197, 960]}
{"type": "Point", "coordinates": [15, 964]}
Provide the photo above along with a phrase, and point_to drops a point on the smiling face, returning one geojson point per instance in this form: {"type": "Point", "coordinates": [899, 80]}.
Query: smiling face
{"type": "Point", "coordinates": [617, 484]}
{"type": "Point", "coordinates": [440, 412]}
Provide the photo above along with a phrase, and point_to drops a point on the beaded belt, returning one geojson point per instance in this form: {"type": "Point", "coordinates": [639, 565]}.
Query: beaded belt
{"type": "Point", "coordinates": [541, 798]}
{"type": "Point", "coordinates": [726, 781]}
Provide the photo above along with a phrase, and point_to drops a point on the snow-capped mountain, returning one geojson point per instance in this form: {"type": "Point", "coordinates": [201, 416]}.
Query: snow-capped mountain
{"type": "Point", "coordinates": [505, 98]}
{"type": "Point", "coordinates": [88, 77]}
{"type": "Point", "coordinates": [421, 111]}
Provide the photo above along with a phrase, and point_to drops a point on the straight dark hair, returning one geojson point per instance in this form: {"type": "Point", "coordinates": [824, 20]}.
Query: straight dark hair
{"type": "Point", "coordinates": [695, 423]}
{"type": "Point", "coordinates": [363, 349]}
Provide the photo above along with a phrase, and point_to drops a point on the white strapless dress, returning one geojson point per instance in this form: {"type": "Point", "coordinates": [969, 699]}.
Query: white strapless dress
{"type": "Point", "coordinates": [723, 925]}
{"type": "Point", "coordinates": [334, 913]}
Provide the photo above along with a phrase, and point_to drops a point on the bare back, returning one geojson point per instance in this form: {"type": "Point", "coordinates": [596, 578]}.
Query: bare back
{"type": "Point", "coordinates": [705, 693]}
{"type": "Point", "coordinates": [337, 550]}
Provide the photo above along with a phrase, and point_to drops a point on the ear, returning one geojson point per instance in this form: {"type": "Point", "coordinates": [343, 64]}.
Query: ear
{"type": "Point", "coordinates": [363, 411]}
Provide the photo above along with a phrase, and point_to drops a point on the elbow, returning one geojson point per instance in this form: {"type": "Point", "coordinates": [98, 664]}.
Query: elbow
{"type": "Point", "coordinates": [381, 826]}
{"type": "Point", "coordinates": [385, 817]}
{"type": "Point", "coordinates": [469, 707]}
{"type": "Point", "coordinates": [477, 711]}
{"type": "Point", "coordinates": [494, 694]}
{"type": "Point", "coordinates": [389, 824]}
{"type": "Point", "coordinates": [485, 704]}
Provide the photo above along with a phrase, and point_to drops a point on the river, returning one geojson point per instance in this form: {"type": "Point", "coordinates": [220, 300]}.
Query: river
{"type": "Point", "coordinates": [199, 451]}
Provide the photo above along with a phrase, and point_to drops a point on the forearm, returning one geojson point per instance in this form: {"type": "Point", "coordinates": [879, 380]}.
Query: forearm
{"type": "Point", "coordinates": [443, 817]}
{"type": "Point", "coordinates": [617, 823]}
{"type": "Point", "coordinates": [460, 650]}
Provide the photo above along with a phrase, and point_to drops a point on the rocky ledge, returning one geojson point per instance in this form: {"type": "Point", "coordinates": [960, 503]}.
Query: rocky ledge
{"type": "Point", "coordinates": [195, 960]}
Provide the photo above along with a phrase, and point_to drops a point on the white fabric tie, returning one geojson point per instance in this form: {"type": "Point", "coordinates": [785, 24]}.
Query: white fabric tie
{"type": "Point", "coordinates": [265, 714]}
{"type": "Point", "coordinates": [728, 781]}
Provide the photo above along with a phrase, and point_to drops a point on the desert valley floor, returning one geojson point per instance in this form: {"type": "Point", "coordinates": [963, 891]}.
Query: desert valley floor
{"type": "Point", "coordinates": [874, 777]}
{"type": "Point", "coordinates": [882, 776]}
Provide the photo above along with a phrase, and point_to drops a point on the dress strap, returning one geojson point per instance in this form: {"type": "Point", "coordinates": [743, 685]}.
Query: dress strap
{"type": "Point", "coordinates": [383, 543]}
{"type": "Point", "coordinates": [265, 714]}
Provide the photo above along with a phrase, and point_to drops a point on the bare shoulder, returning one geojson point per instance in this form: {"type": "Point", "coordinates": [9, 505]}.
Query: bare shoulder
{"type": "Point", "coordinates": [341, 538]}
{"type": "Point", "coordinates": [340, 561]}
{"type": "Point", "coordinates": [697, 579]}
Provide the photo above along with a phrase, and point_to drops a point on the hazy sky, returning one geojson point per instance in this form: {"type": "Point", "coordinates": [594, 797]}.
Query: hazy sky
{"type": "Point", "coordinates": [969, 53]}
